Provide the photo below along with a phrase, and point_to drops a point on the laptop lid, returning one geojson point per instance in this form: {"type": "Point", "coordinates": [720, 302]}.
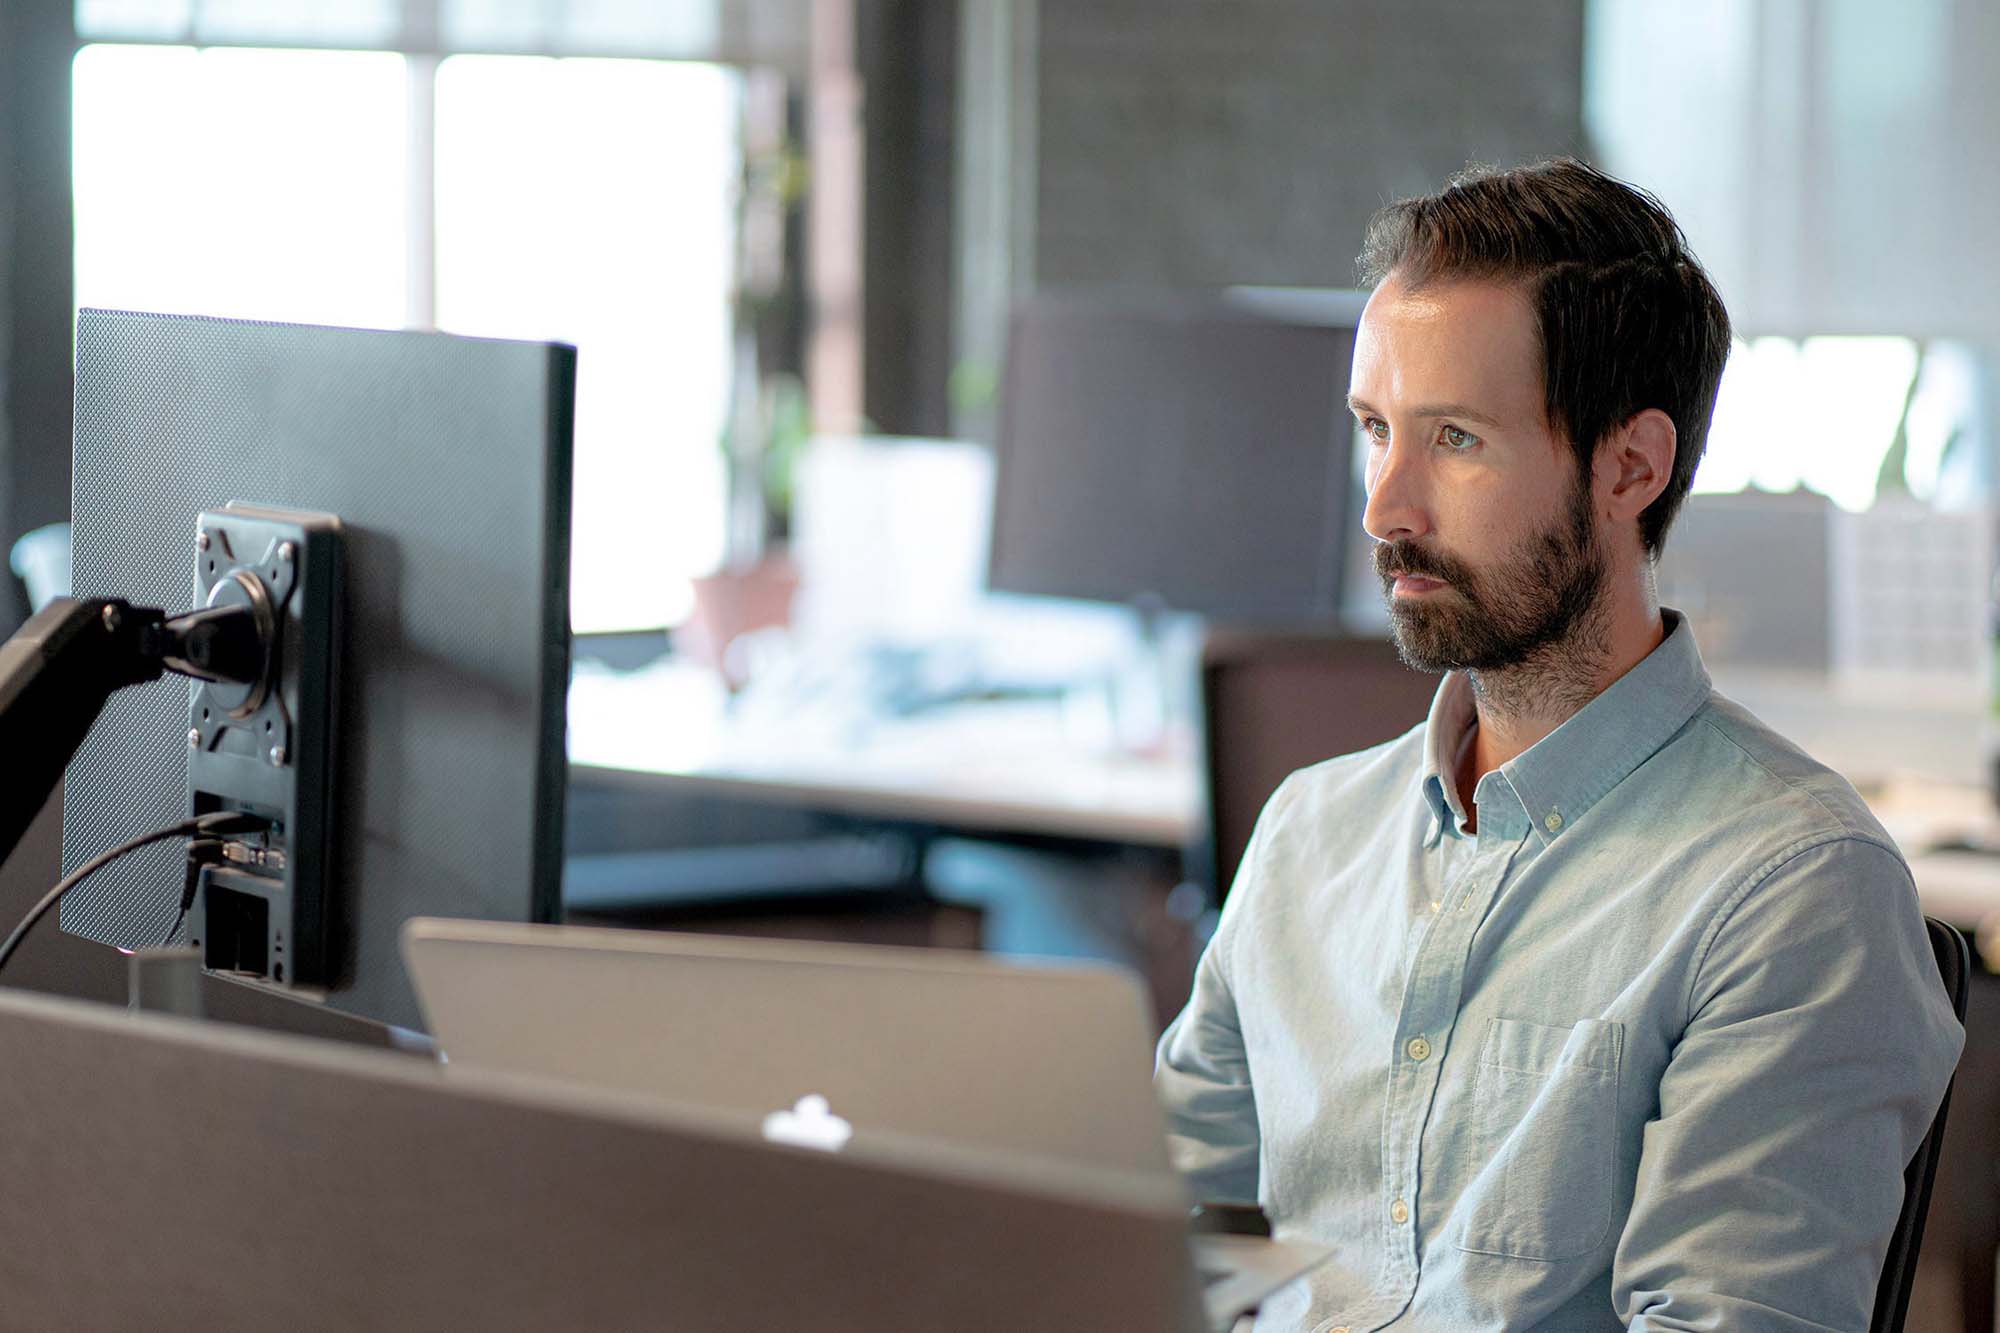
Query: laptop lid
{"type": "Point", "coordinates": [813, 1040]}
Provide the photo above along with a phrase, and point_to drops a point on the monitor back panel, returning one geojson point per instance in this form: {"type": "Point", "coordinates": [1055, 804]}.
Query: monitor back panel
{"type": "Point", "coordinates": [447, 460]}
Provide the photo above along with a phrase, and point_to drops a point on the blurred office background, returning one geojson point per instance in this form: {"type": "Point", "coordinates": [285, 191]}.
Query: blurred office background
{"type": "Point", "coordinates": [965, 524]}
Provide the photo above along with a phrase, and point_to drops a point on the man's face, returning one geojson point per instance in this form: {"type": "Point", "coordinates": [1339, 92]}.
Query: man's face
{"type": "Point", "coordinates": [1486, 543]}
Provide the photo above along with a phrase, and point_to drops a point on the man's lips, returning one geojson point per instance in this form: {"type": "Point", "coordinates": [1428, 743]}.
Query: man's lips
{"type": "Point", "coordinates": [1412, 585]}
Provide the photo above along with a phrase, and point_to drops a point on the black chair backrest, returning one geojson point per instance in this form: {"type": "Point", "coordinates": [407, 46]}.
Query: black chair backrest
{"type": "Point", "coordinates": [1899, 1267]}
{"type": "Point", "coordinates": [1275, 702]}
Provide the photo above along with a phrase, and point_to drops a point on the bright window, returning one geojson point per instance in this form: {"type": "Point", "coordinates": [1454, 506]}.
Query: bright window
{"type": "Point", "coordinates": [1820, 413]}
{"type": "Point", "coordinates": [590, 201]}
{"type": "Point", "coordinates": [593, 201]}
{"type": "Point", "coordinates": [254, 184]}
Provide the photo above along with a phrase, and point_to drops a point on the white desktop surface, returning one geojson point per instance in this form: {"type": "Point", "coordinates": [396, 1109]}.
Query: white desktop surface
{"type": "Point", "coordinates": [1017, 766]}
{"type": "Point", "coordinates": [1022, 767]}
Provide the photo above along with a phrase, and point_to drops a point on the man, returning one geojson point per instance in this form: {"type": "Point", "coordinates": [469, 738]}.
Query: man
{"type": "Point", "coordinates": [1590, 1003]}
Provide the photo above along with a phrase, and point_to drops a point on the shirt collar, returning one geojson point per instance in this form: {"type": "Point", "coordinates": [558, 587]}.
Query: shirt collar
{"type": "Point", "coordinates": [1445, 734]}
{"type": "Point", "coordinates": [1561, 776]}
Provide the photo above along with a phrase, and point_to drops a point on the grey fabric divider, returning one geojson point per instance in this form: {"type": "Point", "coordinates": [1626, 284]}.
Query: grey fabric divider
{"type": "Point", "coordinates": [162, 1173]}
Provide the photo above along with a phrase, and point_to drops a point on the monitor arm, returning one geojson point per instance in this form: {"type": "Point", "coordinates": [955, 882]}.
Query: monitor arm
{"type": "Point", "coordinates": [58, 670]}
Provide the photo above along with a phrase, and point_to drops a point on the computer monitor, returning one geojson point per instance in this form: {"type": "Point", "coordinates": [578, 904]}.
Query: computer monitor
{"type": "Point", "coordinates": [447, 461]}
{"type": "Point", "coordinates": [1187, 453]}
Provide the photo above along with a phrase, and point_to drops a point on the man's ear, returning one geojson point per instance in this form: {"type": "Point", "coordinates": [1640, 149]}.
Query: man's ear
{"type": "Point", "coordinates": [1634, 463]}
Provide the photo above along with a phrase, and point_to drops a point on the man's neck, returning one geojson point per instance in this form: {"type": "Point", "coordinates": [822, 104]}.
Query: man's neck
{"type": "Point", "coordinates": [1517, 707]}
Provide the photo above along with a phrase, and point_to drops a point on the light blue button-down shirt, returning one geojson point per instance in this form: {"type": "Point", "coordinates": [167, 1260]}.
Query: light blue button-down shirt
{"type": "Point", "coordinates": [1647, 1050]}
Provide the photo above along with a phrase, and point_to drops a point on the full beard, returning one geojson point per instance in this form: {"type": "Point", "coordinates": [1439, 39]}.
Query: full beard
{"type": "Point", "coordinates": [1531, 627]}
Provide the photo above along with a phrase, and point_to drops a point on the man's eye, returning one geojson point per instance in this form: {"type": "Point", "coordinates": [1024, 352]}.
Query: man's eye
{"type": "Point", "coordinates": [1451, 437]}
{"type": "Point", "coordinates": [1375, 428]}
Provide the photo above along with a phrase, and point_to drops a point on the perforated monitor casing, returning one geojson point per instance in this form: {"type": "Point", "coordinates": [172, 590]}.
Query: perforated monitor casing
{"type": "Point", "coordinates": [447, 461]}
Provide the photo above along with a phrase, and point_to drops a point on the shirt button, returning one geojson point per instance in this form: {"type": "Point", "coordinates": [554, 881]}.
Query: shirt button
{"type": "Point", "coordinates": [1399, 1212]}
{"type": "Point", "coordinates": [1554, 821]}
{"type": "Point", "coordinates": [1341, 1329]}
{"type": "Point", "coordinates": [1418, 1049]}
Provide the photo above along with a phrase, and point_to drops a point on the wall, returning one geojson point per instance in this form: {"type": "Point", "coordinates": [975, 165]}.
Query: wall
{"type": "Point", "coordinates": [1186, 143]}
{"type": "Point", "coordinates": [1190, 143]}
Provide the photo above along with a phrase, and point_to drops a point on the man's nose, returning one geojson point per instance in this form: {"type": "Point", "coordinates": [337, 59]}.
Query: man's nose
{"type": "Point", "coordinates": [1396, 502]}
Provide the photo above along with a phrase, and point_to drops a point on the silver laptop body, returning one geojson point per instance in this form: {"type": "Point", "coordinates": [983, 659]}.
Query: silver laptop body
{"type": "Point", "coordinates": [1050, 1061]}
{"type": "Point", "coordinates": [1046, 1060]}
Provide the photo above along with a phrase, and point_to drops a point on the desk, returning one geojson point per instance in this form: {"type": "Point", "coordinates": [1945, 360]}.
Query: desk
{"type": "Point", "coordinates": [1019, 767]}
{"type": "Point", "coordinates": [668, 739]}
{"type": "Point", "coordinates": [1013, 767]}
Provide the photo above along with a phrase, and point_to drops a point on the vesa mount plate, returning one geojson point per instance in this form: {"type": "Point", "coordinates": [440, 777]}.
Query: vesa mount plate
{"type": "Point", "coordinates": [265, 911]}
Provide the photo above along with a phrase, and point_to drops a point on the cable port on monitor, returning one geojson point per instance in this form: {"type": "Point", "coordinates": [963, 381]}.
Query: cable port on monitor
{"type": "Point", "coordinates": [237, 933]}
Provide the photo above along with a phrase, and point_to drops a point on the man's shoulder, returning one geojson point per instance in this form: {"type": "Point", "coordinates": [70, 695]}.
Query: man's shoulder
{"type": "Point", "coordinates": [1338, 811]}
{"type": "Point", "coordinates": [1759, 779]}
{"type": "Point", "coordinates": [1380, 773]}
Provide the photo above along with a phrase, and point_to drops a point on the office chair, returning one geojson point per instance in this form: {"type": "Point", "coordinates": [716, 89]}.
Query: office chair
{"type": "Point", "coordinates": [1273, 702]}
{"type": "Point", "coordinates": [1899, 1267]}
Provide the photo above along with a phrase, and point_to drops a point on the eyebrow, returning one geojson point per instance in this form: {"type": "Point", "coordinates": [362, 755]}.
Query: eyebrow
{"type": "Point", "coordinates": [1433, 410]}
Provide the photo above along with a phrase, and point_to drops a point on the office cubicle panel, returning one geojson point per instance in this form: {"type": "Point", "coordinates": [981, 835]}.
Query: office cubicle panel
{"type": "Point", "coordinates": [1177, 451]}
{"type": "Point", "coordinates": [163, 1173]}
{"type": "Point", "coordinates": [1275, 703]}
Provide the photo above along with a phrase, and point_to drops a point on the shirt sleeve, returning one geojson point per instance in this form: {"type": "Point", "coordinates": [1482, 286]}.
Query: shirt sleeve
{"type": "Point", "coordinates": [1200, 1071]}
{"type": "Point", "coordinates": [1818, 1044]}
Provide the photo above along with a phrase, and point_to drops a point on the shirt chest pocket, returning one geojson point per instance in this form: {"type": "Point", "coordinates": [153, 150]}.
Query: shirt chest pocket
{"type": "Point", "coordinates": [1544, 1134]}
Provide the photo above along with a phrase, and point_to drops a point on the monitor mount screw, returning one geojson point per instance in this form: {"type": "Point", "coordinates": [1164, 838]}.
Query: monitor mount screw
{"type": "Point", "coordinates": [277, 756]}
{"type": "Point", "coordinates": [201, 541]}
{"type": "Point", "coordinates": [287, 552]}
{"type": "Point", "coordinates": [112, 620]}
{"type": "Point", "coordinates": [194, 738]}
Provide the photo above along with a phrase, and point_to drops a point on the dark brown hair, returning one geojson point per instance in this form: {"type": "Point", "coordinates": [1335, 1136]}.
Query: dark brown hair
{"type": "Point", "coordinates": [1628, 320]}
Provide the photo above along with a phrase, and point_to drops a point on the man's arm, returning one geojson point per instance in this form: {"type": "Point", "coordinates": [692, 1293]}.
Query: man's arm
{"type": "Point", "coordinates": [1818, 1043]}
{"type": "Point", "coordinates": [1203, 1081]}
{"type": "Point", "coordinates": [1201, 1072]}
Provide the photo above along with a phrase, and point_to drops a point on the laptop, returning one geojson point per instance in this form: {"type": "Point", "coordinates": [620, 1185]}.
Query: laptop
{"type": "Point", "coordinates": [826, 1045]}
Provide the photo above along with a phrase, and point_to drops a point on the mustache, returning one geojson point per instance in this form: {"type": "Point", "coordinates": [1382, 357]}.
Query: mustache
{"type": "Point", "coordinates": [1406, 557]}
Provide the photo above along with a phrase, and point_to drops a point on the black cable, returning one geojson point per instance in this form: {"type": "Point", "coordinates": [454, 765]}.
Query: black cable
{"type": "Point", "coordinates": [201, 853]}
{"type": "Point", "coordinates": [220, 823]}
